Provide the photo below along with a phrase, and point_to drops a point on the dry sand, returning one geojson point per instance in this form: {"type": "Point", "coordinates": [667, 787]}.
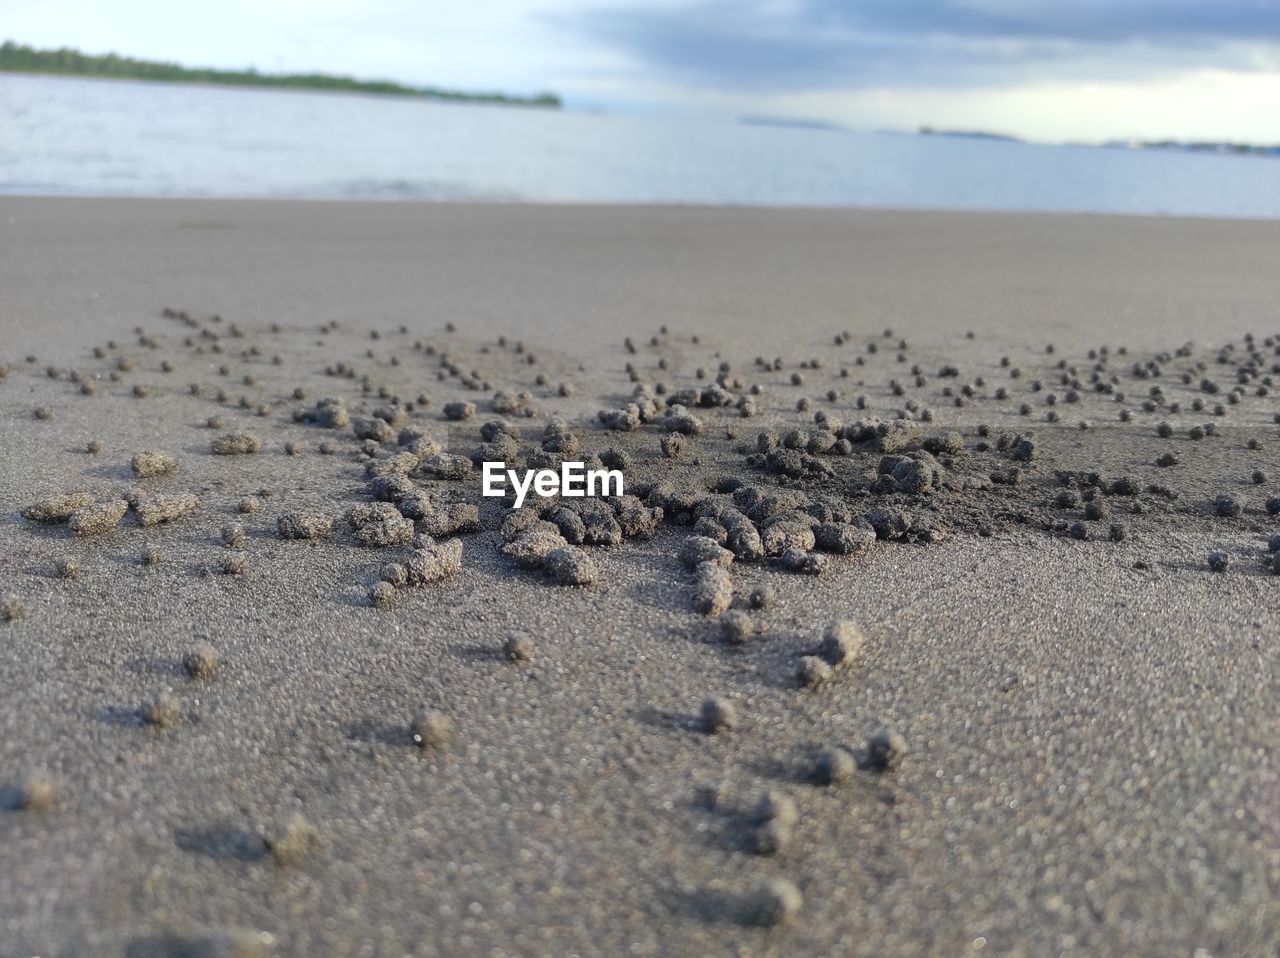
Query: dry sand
{"type": "Point", "coordinates": [1091, 725]}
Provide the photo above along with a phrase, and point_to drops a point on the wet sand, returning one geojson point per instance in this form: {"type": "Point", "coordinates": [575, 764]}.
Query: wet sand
{"type": "Point", "coordinates": [1090, 724]}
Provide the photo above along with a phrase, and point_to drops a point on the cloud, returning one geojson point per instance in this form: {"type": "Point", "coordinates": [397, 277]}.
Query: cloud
{"type": "Point", "coordinates": [779, 45]}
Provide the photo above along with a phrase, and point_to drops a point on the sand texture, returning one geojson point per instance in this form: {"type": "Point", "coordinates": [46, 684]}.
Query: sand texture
{"type": "Point", "coordinates": [940, 618]}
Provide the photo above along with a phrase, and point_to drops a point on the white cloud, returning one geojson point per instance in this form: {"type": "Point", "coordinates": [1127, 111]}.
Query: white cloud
{"type": "Point", "coordinates": [1208, 104]}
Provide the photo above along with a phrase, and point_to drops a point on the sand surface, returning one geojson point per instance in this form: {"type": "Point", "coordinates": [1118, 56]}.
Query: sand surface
{"type": "Point", "coordinates": [1091, 725]}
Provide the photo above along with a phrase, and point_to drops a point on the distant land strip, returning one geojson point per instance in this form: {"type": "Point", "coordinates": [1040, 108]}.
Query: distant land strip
{"type": "Point", "coordinates": [19, 58]}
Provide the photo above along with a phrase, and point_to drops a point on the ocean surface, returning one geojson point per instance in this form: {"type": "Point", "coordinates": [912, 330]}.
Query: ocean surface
{"type": "Point", "coordinates": [96, 137]}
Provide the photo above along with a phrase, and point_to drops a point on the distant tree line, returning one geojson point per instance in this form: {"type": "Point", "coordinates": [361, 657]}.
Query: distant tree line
{"type": "Point", "coordinates": [19, 58]}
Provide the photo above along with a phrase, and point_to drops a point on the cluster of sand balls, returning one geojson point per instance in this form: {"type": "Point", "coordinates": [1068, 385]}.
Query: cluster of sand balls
{"type": "Point", "coordinates": [791, 527]}
{"type": "Point", "coordinates": [87, 516]}
{"type": "Point", "coordinates": [848, 457]}
{"type": "Point", "coordinates": [772, 822]}
{"type": "Point", "coordinates": [841, 645]}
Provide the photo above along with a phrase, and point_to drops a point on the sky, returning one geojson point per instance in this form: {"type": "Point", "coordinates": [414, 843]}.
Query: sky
{"type": "Point", "coordinates": [1051, 70]}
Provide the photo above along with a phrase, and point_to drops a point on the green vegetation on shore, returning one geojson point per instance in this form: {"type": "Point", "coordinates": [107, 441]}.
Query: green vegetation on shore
{"type": "Point", "coordinates": [19, 58]}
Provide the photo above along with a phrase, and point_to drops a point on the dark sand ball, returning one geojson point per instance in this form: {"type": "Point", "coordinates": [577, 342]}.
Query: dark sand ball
{"type": "Point", "coordinates": [97, 519]}
{"type": "Point", "coordinates": [11, 607]}
{"type": "Point", "coordinates": [531, 547]}
{"type": "Point", "coordinates": [761, 597]}
{"type": "Point", "coordinates": [712, 589]}
{"type": "Point", "coordinates": [233, 536]}
{"type": "Point", "coordinates": [35, 793]}
{"type": "Point", "coordinates": [805, 563]}
{"type": "Point", "coordinates": [1227, 506]}
{"type": "Point", "coordinates": [431, 729]}
{"type": "Point", "coordinates": [841, 643]}
{"type": "Point", "coordinates": [201, 661]}
{"type": "Point", "coordinates": [843, 538]}
{"type": "Point", "coordinates": [163, 509]}
{"type": "Point", "coordinates": [517, 522]}
{"type": "Point", "coordinates": [1273, 505]}
{"type": "Point", "coordinates": [770, 838]}
{"type": "Point", "coordinates": [290, 841]}
{"type": "Point", "coordinates": [237, 444]}
{"type": "Point", "coordinates": [833, 765]}
{"type": "Point", "coordinates": [1067, 499]}
{"type": "Point", "coordinates": [381, 594]}
{"type": "Point", "coordinates": [56, 508]}
{"type": "Point", "coordinates": [161, 710]}
{"type": "Point", "coordinates": [698, 549]}
{"type": "Point", "coordinates": [153, 463]}
{"type": "Point", "coordinates": [1218, 561]}
{"type": "Point", "coordinates": [777, 902]}
{"type": "Point", "coordinates": [233, 564]}
{"type": "Point", "coordinates": [389, 531]}
{"type": "Point", "coordinates": [813, 671]}
{"type": "Point", "coordinates": [459, 410]}
{"type": "Point", "coordinates": [394, 573]}
{"type": "Point", "coordinates": [151, 555]}
{"type": "Point", "coordinates": [1096, 509]}
{"type": "Point", "coordinates": [1273, 544]}
{"type": "Point", "coordinates": [774, 806]}
{"type": "Point", "coordinates": [518, 647]}
{"type": "Point", "coordinates": [304, 525]}
{"type": "Point", "coordinates": [884, 750]}
{"type": "Point", "coordinates": [718, 714]}
{"type": "Point", "coordinates": [569, 565]}
{"type": "Point", "coordinates": [736, 627]}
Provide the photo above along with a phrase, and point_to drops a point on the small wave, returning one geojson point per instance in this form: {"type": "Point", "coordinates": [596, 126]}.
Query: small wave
{"type": "Point", "coordinates": [402, 189]}
{"type": "Point", "coordinates": [31, 188]}
{"type": "Point", "coordinates": [389, 189]}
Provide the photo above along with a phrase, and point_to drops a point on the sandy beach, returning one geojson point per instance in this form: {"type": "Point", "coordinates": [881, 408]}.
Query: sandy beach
{"type": "Point", "coordinates": [1084, 711]}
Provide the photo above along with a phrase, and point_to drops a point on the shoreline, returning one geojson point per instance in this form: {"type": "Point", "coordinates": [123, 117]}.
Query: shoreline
{"type": "Point", "coordinates": [560, 204]}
